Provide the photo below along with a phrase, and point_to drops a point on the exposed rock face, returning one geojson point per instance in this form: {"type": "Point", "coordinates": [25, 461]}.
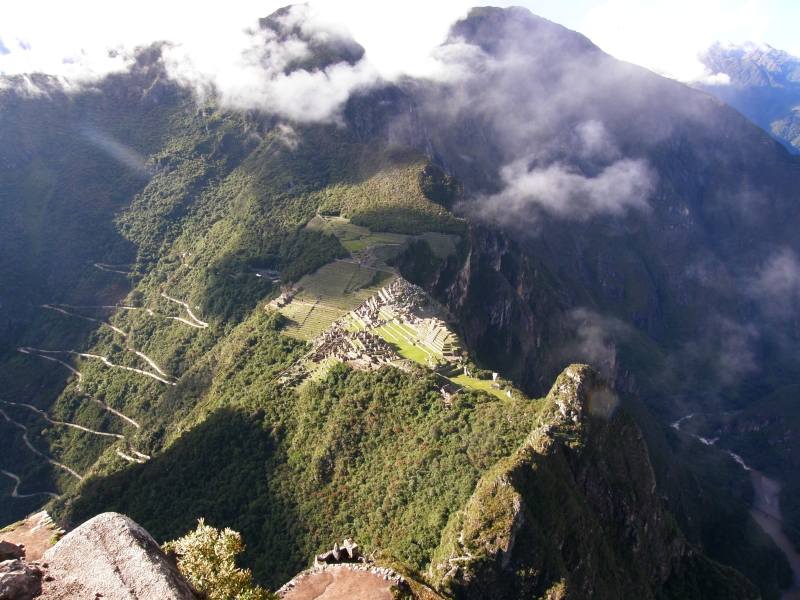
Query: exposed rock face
{"type": "Point", "coordinates": [19, 580]}
{"type": "Point", "coordinates": [9, 551]}
{"type": "Point", "coordinates": [112, 557]}
{"type": "Point", "coordinates": [574, 513]}
{"type": "Point", "coordinates": [348, 552]}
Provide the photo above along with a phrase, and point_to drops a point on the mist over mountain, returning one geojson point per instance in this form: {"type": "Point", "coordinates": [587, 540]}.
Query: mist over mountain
{"type": "Point", "coordinates": [209, 308]}
{"type": "Point", "coordinates": [764, 85]}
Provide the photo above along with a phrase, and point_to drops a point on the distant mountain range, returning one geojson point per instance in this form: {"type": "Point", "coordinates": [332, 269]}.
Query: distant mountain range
{"type": "Point", "coordinates": [558, 205]}
{"type": "Point", "coordinates": [764, 87]}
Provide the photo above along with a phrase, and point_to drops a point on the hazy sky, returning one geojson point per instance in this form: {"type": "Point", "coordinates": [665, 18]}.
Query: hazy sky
{"type": "Point", "coordinates": [73, 38]}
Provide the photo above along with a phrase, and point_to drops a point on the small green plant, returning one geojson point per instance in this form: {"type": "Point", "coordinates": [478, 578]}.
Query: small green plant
{"type": "Point", "coordinates": [206, 557]}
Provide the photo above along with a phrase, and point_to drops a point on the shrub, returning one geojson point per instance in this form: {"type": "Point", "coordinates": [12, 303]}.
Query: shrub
{"type": "Point", "coordinates": [206, 557]}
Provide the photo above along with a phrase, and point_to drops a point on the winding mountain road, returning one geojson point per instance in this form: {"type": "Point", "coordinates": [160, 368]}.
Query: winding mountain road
{"type": "Point", "coordinates": [43, 353]}
{"type": "Point", "coordinates": [61, 310]}
{"type": "Point", "coordinates": [34, 450]}
{"type": "Point", "coordinates": [142, 355]}
{"type": "Point", "coordinates": [199, 324]}
{"type": "Point", "coordinates": [109, 409]}
{"type": "Point", "coordinates": [112, 268]}
{"type": "Point", "coordinates": [73, 425]}
{"type": "Point", "coordinates": [16, 494]}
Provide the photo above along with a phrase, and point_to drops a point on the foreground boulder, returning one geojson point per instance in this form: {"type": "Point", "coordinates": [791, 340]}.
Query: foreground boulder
{"type": "Point", "coordinates": [19, 580]}
{"type": "Point", "coordinates": [113, 558]}
{"type": "Point", "coordinates": [9, 551]}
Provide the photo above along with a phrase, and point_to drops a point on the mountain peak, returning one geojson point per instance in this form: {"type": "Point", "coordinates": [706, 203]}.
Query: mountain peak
{"type": "Point", "coordinates": [501, 31]}
{"type": "Point", "coordinates": [327, 45]}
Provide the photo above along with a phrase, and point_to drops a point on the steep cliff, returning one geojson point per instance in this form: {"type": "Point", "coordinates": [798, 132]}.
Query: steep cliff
{"type": "Point", "coordinates": [573, 513]}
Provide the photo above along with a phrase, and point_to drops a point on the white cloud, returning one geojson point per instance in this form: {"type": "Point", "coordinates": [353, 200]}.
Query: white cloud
{"type": "Point", "coordinates": [250, 71]}
{"type": "Point", "coordinates": [73, 38]}
{"type": "Point", "coordinates": [666, 36]}
{"type": "Point", "coordinates": [565, 192]}
{"type": "Point", "coordinates": [777, 284]}
{"type": "Point", "coordinates": [83, 40]}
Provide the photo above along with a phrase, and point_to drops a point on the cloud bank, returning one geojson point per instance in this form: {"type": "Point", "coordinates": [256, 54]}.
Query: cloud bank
{"type": "Point", "coordinates": [562, 191]}
{"type": "Point", "coordinates": [258, 72]}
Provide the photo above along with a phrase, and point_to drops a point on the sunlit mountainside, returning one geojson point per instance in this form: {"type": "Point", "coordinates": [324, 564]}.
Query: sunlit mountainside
{"type": "Point", "coordinates": [451, 318]}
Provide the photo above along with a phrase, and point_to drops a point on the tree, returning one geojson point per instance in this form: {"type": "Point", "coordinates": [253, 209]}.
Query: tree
{"type": "Point", "coordinates": [206, 557]}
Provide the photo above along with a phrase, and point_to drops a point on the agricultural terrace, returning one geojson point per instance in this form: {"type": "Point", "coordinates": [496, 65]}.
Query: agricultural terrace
{"type": "Point", "coordinates": [328, 294]}
{"type": "Point", "coordinates": [373, 249]}
{"type": "Point", "coordinates": [407, 320]}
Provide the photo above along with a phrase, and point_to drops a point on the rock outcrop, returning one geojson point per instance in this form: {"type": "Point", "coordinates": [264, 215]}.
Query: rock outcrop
{"type": "Point", "coordinates": [347, 552]}
{"type": "Point", "coordinates": [113, 558]}
{"type": "Point", "coordinates": [19, 580]}
{"type": "Point", "coordinates": [574, 513]}
{"type": "Point", "coordinates": [9, 551]}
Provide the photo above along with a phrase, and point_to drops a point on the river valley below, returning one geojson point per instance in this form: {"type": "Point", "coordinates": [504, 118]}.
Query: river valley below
{"type": "Point", "coordinates": [765, 510]}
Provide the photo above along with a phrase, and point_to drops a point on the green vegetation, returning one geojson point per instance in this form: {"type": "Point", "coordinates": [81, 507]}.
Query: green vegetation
{"type": "Point", "coordinates": [293, 470]}
{"type": "Point", "coordinates": [389, 196]}
{"type": "Point", "coordinates": [206, 556]}
{"type": "Point", "coordinates": [479, 384]}
{"type": "Point", "coordinates": [373, 455]}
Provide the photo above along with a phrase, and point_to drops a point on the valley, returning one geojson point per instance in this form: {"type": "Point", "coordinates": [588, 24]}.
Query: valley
{"type": "Point", "coordinates": [457, 321]}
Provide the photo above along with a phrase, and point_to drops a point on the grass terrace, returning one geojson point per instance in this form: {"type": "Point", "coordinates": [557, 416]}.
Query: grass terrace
{"type": "Point", "coordinates": [307, 320]}
{"type": "Point", "coordinates": [401, 346]}
{"type": "Point", "coordinates": [478, 384]}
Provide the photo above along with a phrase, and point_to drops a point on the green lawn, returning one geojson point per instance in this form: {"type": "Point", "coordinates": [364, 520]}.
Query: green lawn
{"type": "Point", "coordinates": [479, 384]}
{"type": "Point", "coordinates": [402, 347]}
{"type": "Point", "coordinates": [355, 245]}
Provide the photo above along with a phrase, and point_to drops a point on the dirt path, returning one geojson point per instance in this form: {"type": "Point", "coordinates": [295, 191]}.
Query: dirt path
{"type": "Point", "coordinates": [73, 425]}
{"type": "Point", "coordinates": [32, 352]}
{"type": "Point", "coordinates": [77, 387]}
{"type": "Point", "coordinates": [200, 324]}
{"type": "Point", "coordinates": [111, 410]}
{"type": "Point", "coordinates": [61, 310]}
{"type": "Point", "coordinates": [34, 450]}
{"type": "Point", "coordinates": [42, 353]}
{"type": "Point", "coordinates": [121, 454]}
{"type": "Point", "coordinates": [36, 533]}
{"type": "Point", "coordinates": [142, 355]}
{"type": "Point", "coordinates": [112, 268]}
{"type": "Point", "coordinates": [15, 494]}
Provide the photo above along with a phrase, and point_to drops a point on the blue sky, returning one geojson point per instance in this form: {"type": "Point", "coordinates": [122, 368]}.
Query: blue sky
{"type": "Point", "coordinates": [663, 35]}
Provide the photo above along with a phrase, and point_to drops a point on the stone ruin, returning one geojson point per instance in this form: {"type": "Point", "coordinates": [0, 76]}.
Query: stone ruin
{"type": "Point", "coordinates": [346, 553]}
{"type": "Point", "coordinates": [363, 348]}
{"type": "Point", "coordinates": [401, 300]}
{"type": "Point", "coordinates": [398, 303]}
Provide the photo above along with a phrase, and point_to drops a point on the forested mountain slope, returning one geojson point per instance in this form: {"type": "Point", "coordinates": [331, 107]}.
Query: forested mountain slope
{"type": "Point", "coordinates": [597, 214]}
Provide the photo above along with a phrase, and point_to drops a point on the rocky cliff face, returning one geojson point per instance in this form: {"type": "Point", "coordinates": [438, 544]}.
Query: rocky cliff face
{"type": "Point", "coordinates": [109, 556]}
{"type": "Point", "coordinates": [574, 513]}
{"type": "Point", "coordinates": [676, 275]}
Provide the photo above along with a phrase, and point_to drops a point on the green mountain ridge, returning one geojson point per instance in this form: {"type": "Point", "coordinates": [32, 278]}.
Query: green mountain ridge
{"type": "Point", "coordinates": [136, 297]}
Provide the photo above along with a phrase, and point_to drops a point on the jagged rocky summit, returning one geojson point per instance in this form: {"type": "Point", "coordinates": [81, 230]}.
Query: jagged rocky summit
{"type": "Point", "coordinates": [574, 513]}
{"type": "Point", "coordinates": [108, 557]}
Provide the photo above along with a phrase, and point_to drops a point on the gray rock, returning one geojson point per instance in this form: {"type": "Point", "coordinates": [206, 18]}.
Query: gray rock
{"type": "Point", "coordinates": [112, 557]}
{"type": "Point", "coordinates": [19, 580]}
{"type": "Point", "coordinates": [9, 551]}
